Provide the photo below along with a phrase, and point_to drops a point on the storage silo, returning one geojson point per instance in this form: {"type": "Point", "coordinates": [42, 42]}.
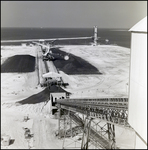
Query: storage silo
{"type": "Point", "coordinates": [137, 116]}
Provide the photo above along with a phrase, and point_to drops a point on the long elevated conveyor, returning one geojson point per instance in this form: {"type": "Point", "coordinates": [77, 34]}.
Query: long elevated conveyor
{"type": "Point", "coordinates": [113, 111]}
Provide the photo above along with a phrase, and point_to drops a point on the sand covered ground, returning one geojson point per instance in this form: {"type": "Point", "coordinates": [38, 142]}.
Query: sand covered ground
{"type": "Point", "coordinates": [111, 61]}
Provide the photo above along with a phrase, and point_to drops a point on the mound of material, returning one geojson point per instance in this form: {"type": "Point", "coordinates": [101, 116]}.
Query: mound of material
{"type": "Point", "coordinates": [75, 65]}
{"type": "Point", "coordinates": [42, 96]}
{"type": "Point", "coordinates": [19, 63]}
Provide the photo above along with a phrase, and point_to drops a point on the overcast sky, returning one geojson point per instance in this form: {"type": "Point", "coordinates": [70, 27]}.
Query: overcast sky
{"type": "Point", "coordinates": [104, 14]}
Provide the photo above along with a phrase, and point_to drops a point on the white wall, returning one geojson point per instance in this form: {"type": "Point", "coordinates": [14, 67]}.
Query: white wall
{"type": "Point", "coordinates": [57, 95]}
{"type": "Point", "coordinates": [139, 144]}
{"type": "Point", "coordinates": [137, 117]}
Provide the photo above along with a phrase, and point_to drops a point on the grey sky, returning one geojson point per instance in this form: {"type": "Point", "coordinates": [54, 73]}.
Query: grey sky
{"type": "Point", "coordinates": [104, 14]}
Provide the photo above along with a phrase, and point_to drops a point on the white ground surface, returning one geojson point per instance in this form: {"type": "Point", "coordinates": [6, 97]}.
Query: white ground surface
{"type": "Point", "coordinates": [112, 61]}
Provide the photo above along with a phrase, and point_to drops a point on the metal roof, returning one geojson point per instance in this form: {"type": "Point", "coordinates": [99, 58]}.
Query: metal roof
{"type": "Point", "coordinates": [141, 26]}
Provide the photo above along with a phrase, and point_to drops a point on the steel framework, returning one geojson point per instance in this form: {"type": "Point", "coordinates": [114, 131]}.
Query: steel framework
{"type": "Point", "coordinates": [112, 111]}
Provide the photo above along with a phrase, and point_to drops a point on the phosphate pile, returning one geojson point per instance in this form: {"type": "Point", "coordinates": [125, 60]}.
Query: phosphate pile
{"type": "Point", "coordinates": [75, 64]}
{"type": "Point", "coordinates": [19, 63]}
{"type": "Point", "coordinates": [42, 96]}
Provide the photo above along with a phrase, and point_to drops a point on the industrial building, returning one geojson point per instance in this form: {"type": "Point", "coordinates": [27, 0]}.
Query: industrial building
{"type": "Point", "coordinates": [137, 117]}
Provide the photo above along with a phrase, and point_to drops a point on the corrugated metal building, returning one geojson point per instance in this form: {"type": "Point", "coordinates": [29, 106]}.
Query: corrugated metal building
{"type": "Point", "coordinates": [137, 117]}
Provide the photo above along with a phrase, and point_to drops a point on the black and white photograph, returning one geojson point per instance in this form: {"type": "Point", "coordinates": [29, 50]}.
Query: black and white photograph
{"type": "Point", "coordinates": [73, 74]}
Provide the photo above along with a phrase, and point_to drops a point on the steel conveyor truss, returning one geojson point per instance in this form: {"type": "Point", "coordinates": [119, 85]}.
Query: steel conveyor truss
{"type": "Point", "coordinates": [113, 111]}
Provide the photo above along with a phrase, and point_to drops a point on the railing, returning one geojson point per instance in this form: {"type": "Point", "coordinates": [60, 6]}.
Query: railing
{"type": "Point", "coordinates": [111, 110]}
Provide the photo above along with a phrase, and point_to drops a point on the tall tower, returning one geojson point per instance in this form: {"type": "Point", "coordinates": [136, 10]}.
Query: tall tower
{"type": "Point", "coordinates": [95, 36]}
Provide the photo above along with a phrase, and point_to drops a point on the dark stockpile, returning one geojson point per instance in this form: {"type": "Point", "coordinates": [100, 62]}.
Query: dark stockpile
{"type": "Point", "coordinates": [75, 64]}
{"type": "Point", "coordinates": [19, 63]}
{"type": "Point", "coordinates": [42, 96]}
